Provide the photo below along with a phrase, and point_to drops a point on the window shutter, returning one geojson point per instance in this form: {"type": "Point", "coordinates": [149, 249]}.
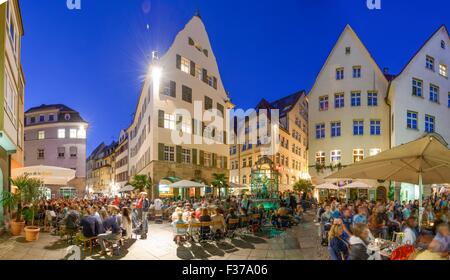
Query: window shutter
{"type": "Point", "coordinates": [160, 118]}
{"type": "Point", "coordinates": [203, 129]}
{"type": "Point", "coordinates": [160, 151]}
{"type": "Point", "coordinates": [224, 137]}
{"type": "Point", "coordinates": [179, 121]}
{"type": "Point", "coordinates": [178, 154]}
{"type": "Point", "coordinates": [178, 61]}
{"type": "Point", "coordinates": [214, 82]}
{"type": "Point", "coordinates": [202, 158]}
{"type": "Point", "coordinates": [173, 89]}
{"type": "Point", "coordinates": [193, 126]}
{"type": "Point", "coordinates": [194, 157]}
{"type": "Point", "coordinates": [192, 68]}
{"type": "Point", "coordinates": [214, 133]}
{"type": "Point", "coordinates": [225, 162]}
{"type": "Point", "coordinates": [205, 75]}
{"type": "Point", "coordinates": [214, 160]}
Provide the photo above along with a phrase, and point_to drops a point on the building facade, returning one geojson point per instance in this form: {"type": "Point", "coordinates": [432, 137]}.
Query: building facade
{"type": "Point", "coordinates": [121, 160]}
{"type": "Point", "coordinates": [100, 170]}
{"type": "Point", "coordinates": [348, 117]}
{"type": "Point", "coordinates": [12, 84]}
{"type": "Point", "coordinates": [419, 99]}
{"type": "Point", "coordinates": [290, 160]}
{"type": "Point", "coordinates": [186, 77]}
{"type": "Point", "coordinates": [55, 135]}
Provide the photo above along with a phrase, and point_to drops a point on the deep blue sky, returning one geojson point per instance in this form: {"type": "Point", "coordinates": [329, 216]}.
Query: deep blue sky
{"type": "Point", "coordinates": [93, 59]}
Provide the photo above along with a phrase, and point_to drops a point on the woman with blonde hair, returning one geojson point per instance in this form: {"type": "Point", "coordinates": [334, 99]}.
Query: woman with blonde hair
{"type": "Point", "coordinates": [338, 247]}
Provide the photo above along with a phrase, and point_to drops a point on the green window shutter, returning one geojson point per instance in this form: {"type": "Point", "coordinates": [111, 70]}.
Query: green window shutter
{"type": "Point", "coordinates": [225, 162]}
{"type": "Point", "coordinates": [160, 118]}
{"type": "Point", "coordinates": [214, 132]}
{"type": "Point", "coordinates": [178, 154]}
{"type": "Point", "coordinates": [224, 137]}
{"type": "Point", "coordinates": [220, 109]}
{"type": "Point", "coordinates": [214, 160]}
{"type": "Point", "coordinates": [178, 61]}
{"type": "Point", "coordinates": [214, 82]}
{"type": "Point", "coordinates": [202, 158]}
{"type": "Point", "coordinates": [173, 89]}
{"type": "Point", "coordinates": [193, 125]}
{"type": "Point", "coordinates": [179, 121]}
{"type": "Point", "coordinates": [203, 129]}
{"type": "Point", "coordinates": [160, 151]}
{"type": "Point", "coordinates": [194, 157]}
{"type": "Point", "coordinates": [192, 68]}
{"type": "Point", "coordinates": [205, 75]}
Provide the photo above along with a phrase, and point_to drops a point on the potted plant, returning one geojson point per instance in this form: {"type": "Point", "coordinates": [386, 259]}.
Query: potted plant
{"type": "Point", "coordinates": [31, 193]}
{"type": "Point", "coordinates": [13, 201]}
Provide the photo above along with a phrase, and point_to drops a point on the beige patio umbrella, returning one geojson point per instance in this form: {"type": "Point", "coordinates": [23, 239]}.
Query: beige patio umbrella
{"type": "Point", "coordinates": [423, 161]}
{"type": "Point", "coordinates": [327, 186]}
{"type": "Point", "coordinates": [357, 185]}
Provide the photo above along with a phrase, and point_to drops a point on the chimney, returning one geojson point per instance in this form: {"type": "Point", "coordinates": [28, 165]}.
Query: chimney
{"type": "Point", "coordinates": [386, 70]}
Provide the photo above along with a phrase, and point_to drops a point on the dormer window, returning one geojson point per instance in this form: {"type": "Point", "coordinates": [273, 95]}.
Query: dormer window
{"type": "Point", "coordinates": [348, 50]}
{"type": "Point", "coordinates": [41, 118]}
{"type": "Point", "coordinates": [429, 63]}
{"type": "Point", "coordinates": [443, 44]}
{"type": "Point", "coordinates": [67, 117]}
{"type": "Point", "coordinates": [51, 117]}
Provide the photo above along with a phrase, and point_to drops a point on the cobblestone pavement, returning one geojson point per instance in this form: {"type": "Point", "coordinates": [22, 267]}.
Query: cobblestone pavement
{"type": "Point", "coordinates": [297, 243]}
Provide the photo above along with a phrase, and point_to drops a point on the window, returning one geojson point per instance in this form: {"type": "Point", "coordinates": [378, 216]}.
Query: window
{"type": "Point", "coordinates": [443, 44]}
{"type": "Point", "coordinates": [358, 127]}
{"type": "Point", "coordinates": [448, 100]}
{"type": "Point", "coordinates": [186, 94]}
{"type": "Point", "coordinates": [356, 99]}
{"type": "Point", "coordinates": [81, 133]}
{"type": "Point", "coordinates": [186, 156]}
{"type": "Point", "coordinates": [434, 93]}
{"type": "Point", "coordinates": [61, 133]}
{"type": "Point", "coordinates": [335, 156]}
{"type": "Point", "coordinates": [356, 71]}
{"type": "Point", "coordinates": [250, 162]}
{"type": "Point", "coordinates": [244, 162]}
{"type": "Point", "coordinates": [429, 123]}
{"type": "Point", "coordinates": [41, 154]}
{"type": "Point", "coordinates": [411, 120]}
{"type": "Point", "coordinates": [73, 151]}
{"type": "Point", "coordinates": [208, 103]}
{"type": "Point", "coordinates": [168, 88]}
{"type": "Point", "coordinates": [207, 160]}
{"type": "Point", "coordinates": [51, 117]}
{"type": "Point", "coordinates": [429, 64]}
{"type": "Point", "coordinates": [348, 50]}
{"type": "Point", "coordinates": [339, 100]}
{"type": "Point", "coordinates": [358, 155]}
{"type": "Point", "coordinates": [61, 152]}
{"type": "Point", "coordinates": [185, 65]}
{"type": "Point", "coordinates": [73, 133]}
{"type": "Point", "coordinates": [186, 126]}
{"type": "Point", "coordinates": [41, 118]}
{"type": "Point", "coordinates": [323, 103]}
{"type": "Point", "coordinates": [169, 153]}
{"type": "Point", "coordinates": [199, 72]}
{"type": "Point", "coordinates": [372, 98]}
{"type": "Point", "coordinates": [320, 158]}
{"type": "Point", "coordinates": [67, 117]}
{"type": "Point", "coordinates": [335, 129]}
{"type": "Point", "coordinates": [244, 179]}
{"type": "Point", "coordinates": [10, 97]}
{"type": "Point", "coordinates": [375, 127]}
{"type": "Point", "coordinates": [41, 135]}
{"type": "Point", "coordinates": [32, 120]}
{"type": "Point", "coordinates": [339, 73]}
{"type": "Point", "coordinates": [443, 70]}
{"type": "Point", "coordinates": [374, 151]}
{"type": "Point", "coordinates": [169, 121]}
{"type": "Point", "coordinates": [417, 87]}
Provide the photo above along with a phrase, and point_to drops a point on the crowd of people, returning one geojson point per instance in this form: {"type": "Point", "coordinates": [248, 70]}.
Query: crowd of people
{"type": "Point", "coordinates": [112, 220]}
{"type": "Point", "coordinates": [348, 228]}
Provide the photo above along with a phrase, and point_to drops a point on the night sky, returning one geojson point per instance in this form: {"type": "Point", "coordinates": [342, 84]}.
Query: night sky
{"type": "Point", "coordinates": [93, 59]}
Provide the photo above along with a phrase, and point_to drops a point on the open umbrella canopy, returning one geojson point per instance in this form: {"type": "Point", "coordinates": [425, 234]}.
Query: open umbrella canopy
{"type": "Point", "coordinates": [423, 161]}
{"type": "Point", "coordinates": [186, 184]}
{"type": "Point", "coordinates": [327, 186]}
{"type": "Point", "coordinates": [358, 185]}
{"type": "Point", "coordinates": [50, 175]}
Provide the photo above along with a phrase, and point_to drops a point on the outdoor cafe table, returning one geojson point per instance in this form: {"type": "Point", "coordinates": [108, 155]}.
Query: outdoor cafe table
{"type": "Point", "coordinates": [383, 247]}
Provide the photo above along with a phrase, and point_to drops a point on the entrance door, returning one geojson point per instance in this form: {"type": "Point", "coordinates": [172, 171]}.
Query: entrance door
{"type": "Point", "coordinates": [381, 193]}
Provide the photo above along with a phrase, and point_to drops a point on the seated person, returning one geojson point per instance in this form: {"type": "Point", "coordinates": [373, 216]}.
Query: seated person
{"type": "Point", "coordinates": [441, 242]}
{"type": "Point", "coordinates": [179, 231]}
{"type": "Point", "coordinates": [243, 219]}
{"type": "Point", "coordinates": [218, 222]}
{"type": "Point", "coordinates": [112, 226]}
{"type": "Point", "coordinates": [90, 224]}
{"type": "Point", "coordinates": [72, 220]}
{"type": "Point", "coordinates": [410, 232]}
{"type": "Point", "coordinates": [298, 214]}
{"type": "Point", "coordinates": [205, 217]}
{"type": "Point", "coordinates": [192, 221]}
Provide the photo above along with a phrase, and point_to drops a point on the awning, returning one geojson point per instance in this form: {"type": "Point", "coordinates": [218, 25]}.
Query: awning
{"type": "Point", "coordinates": [127, 188]}
{"type": "Point", "coordinates": [50, 175]}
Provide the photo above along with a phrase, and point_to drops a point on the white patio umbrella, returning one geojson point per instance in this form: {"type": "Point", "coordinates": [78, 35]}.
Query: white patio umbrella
{"type": "Point", "coordinates": [423, 161]}
{"type": "Point", "coordinates": [327, 186]}
{"type": "Point", "coordinates": [50, 175]}
{"type": "Point", "coordinates": [185, 184]}
{"type": "Point", "coordinates": [357, 185]}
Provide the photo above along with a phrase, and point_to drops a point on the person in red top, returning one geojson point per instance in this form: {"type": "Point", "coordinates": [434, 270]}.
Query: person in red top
{"type": "Point", "coordinates": [116, 201]}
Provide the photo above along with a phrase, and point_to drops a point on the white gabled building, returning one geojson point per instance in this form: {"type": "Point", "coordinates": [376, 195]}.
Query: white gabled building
{"type": "Point", "coordinates": [348, 117]}
{"type": "Point", "coordinates": [419, 99]}
{"type": "Point", "coordinates": [186, 73]}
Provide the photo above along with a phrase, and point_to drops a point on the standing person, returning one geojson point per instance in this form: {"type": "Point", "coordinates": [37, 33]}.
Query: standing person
{"type": "Point", "coordinates": [127, 224]}
{"type": "Point", "coordinates": [144, 205]}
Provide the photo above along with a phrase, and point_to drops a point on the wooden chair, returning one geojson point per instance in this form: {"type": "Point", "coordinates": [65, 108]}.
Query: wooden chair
{"type": "Point", "coordinates": [232, 226]}
{"type": "Point", "coordinates": [87, 242]}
